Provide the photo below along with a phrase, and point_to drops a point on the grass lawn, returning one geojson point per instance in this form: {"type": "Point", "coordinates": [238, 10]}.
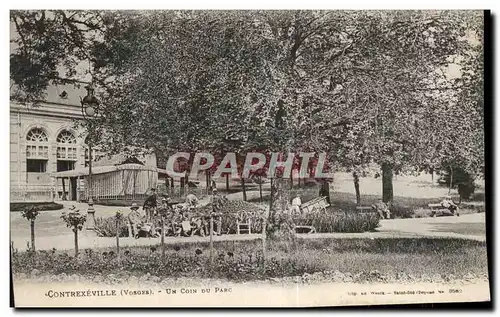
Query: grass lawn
{"type": "Point", "coordinates": [469, 228]}
{"type": "Point", "coordinates": [242, 260]}
{"type": "Point", "coordinates": [403, 207]}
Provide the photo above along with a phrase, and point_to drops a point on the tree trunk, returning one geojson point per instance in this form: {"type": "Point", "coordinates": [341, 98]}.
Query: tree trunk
{"type": "Point", "coordinates": [387, 189]}
{"type": "Point", "coordinates": [280, 199]}
{"type": "Point", "coordinates": [260, 188]}
{"type": "Point", "coordinates": [298, 181]}
{"type": "Point", "coordinates": [244, 189]}
{"type": "Point", "coordinates": [64, 189]}
{"type": "Point", "coordinates": [227, 183]}
{"type": "Point", "coordinates": [356, 188]}
{"type": "Point", "coordinates": [325, 191]}
{"type": "Point", "coordinates": [432, 175]}
{"type": "Point", "coordinates": [451, 180]}
{"type": "Point", "coordinates": [291, 180]}
{"type": "Point", "coordinates": [271, 200]}
{"type": "Point", "coordinates": [211, 244]}
{"type": "Point", "coordinates": [75, 231]}
{"type": "Point", "coordinates": [32, 227]}
{"type": "Point", "coordinates": [207, 179]}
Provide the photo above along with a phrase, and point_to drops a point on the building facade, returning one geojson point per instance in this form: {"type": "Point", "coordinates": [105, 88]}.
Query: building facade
{"type": "Point", "coordinates": [45, 140]}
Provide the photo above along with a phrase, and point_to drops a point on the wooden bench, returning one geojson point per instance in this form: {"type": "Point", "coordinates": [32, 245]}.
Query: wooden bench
{"type": "Point", "coordinates": [364, 209]}
{"type": "Point", "coordinates": [370, 209]}
{"type": "Point", "coordinates": [316, 203]}
{"type": "Point", "coordinates": [435, 208]}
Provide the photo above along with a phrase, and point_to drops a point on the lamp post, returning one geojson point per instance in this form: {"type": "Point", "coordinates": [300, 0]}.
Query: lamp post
{"type": "Point", "coordinates": [89, 105]}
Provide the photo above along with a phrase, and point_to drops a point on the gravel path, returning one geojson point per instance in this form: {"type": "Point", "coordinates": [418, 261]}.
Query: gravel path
{"type": "Point", "coordinates": [51, 231]}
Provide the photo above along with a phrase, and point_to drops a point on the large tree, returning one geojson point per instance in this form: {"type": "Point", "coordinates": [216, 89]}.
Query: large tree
{"type": "Point", "coordinates": [362, 86]}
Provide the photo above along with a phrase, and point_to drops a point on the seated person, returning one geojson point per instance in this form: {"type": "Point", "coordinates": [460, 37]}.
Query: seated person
{"type": "Point", "coordinates": [448, 203]}
{"type": "Point", "coordinates": [198, 224]}
{"type": "Point", "coordinates": [382, 209]}
{"type": "Point", "coordinates": [296, 202]}
{"type": "Point", "coordinates": [185, 224]}
{"type": "Point", "coordinates": [135, 219]}
{"type": "Point", "coordinates": [191, 201]}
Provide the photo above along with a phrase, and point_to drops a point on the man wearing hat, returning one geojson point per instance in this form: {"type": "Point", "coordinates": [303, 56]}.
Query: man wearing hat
{"type": "Point", "coordinates": [135, 218]}
{"type": "Point", "coordinates": [150, 204]}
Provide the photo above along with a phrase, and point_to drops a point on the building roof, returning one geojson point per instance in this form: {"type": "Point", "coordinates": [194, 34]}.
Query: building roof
{"type": "Point", "coordinates": [84, 171]}
{"type": "Point", "coordinates": [64, 94]}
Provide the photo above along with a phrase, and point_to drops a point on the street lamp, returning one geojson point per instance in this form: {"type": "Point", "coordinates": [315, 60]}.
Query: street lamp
{"type": "Point", "coordinates": [89, 105]}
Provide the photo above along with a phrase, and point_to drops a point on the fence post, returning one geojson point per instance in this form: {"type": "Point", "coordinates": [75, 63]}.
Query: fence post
{"type": "Point", "coordinates": [118, 238]}
{"type": "Point", "coordinates": [264, 245]}
{"type": "Point", "coordinates": [162, 236]}
{"type": "Point", "coordinates": [211, 242]}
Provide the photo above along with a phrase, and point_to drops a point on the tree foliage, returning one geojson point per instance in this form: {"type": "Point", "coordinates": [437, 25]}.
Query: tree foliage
{"type": "Point", "coordinates": [363, 86]}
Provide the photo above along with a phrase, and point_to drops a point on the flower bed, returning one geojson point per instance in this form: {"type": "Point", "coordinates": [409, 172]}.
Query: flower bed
{"type": "Point", "coordinates": [106, 227]}
{"type": "Point", "coordinates": [364, 259]}
{"type": "Point", "coordinates": [338, 221]}
{"type": "Point", "coordinates": [41, 206]}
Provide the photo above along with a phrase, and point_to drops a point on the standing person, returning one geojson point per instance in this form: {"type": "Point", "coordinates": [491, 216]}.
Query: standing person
{"type": "Point", "coordinates": [150, 204]}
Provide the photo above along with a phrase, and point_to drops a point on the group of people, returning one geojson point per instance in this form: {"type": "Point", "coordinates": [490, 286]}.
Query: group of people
{"type": "Point", "coordinates": [181, 219]}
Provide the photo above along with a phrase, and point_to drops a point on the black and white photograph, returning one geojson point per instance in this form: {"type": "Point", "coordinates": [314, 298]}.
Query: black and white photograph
{"type": "Point", "coordinates": [248, 158]}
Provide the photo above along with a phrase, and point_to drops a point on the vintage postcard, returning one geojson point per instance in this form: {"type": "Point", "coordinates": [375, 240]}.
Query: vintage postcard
{"type": "Point", "coordinates": [258, 158]}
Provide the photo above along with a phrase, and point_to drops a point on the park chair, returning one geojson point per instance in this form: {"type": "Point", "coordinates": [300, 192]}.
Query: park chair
{"type": "Point", "coordinates": [243, 224]}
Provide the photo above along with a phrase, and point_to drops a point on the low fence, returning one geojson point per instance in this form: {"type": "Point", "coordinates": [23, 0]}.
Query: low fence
{"type": "Point", "coordinates": [178, 193]}
{"type": "Point", "coordinates": [32, 194]}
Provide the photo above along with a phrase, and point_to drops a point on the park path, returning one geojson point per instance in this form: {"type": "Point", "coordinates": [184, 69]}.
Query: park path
{"type": "Point", "coordinates": [391, 228]}
{"type": "Point", "coordinates": [51, 231]}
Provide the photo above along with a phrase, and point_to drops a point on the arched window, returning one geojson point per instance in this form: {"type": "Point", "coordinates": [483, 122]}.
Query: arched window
{"type": "Point", "coordinates": [37, 135]}
{"type": "Point", "coordinates": [66, 146]}
{"type": "Point", "coordinates": [66, 137]}
{"type": "Point", "coordinates": [37, 151]}
{"type": "Point", "coordinates": [66, 151]}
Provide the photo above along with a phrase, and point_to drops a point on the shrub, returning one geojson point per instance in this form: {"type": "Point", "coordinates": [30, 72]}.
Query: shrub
{"type": "Point", "coordinates": [422, 213]}
{"type": "Point", "coordinates": [399, 211]}
{"type": "Point", "coordinates": [40, 206]}
{"type": "Point", "coordinates": [465, 190]}
{"type": "Point", "coordinates": [328, 221]}
{"type": "Point", "coordinates": [106, 227]}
